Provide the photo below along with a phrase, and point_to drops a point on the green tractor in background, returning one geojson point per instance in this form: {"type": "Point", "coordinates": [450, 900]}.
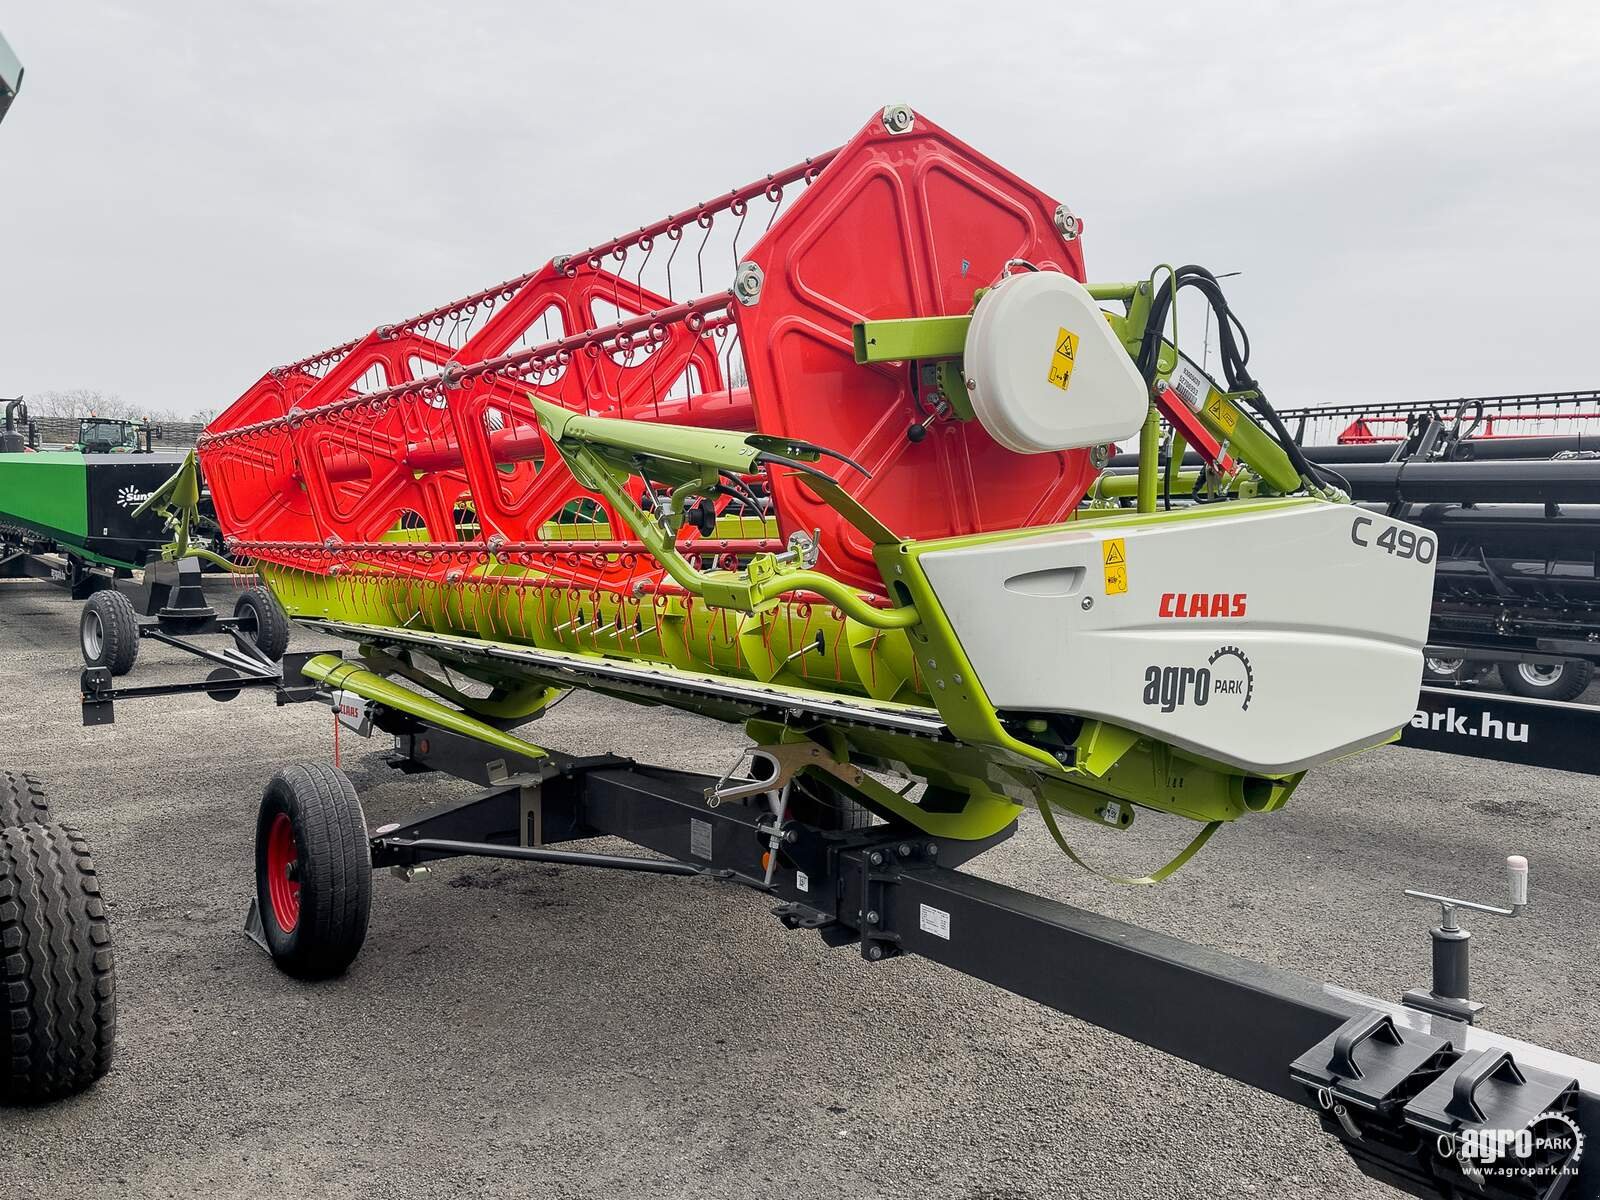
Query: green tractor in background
{"type": "Point", "coordinates": [109, 435]}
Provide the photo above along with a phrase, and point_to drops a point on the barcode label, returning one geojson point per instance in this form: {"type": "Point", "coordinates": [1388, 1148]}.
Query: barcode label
{"type": "Point", "coordinates": [1191, 385]}
{"type": "Point", "coordinates": [700, 838]}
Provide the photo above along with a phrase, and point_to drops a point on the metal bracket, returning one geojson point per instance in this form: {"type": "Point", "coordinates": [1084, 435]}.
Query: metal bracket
{"type": "Point", "coordinates": [880, 871]}
{"type": "Point", "coordinates": [747, 281]}
{"type": "Point", "coordinates": [253, 928]}
{"type": "Point", "coordinates": [785, 760]}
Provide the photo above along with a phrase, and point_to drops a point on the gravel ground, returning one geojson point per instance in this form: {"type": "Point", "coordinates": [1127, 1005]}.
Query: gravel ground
{"type": "Point", "coordinates": [514, 1030]}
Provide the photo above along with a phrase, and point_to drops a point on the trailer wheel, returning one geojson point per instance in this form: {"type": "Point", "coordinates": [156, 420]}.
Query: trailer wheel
{"type": "Point", "coordinates": [263, 621]}
{"type": "Point", "coordinates": [22, 800]}
{"type": "Point", "coordinates": [1443, 670]}
{"type": "Point", "coordinates": [58, 992]}
{"type": "Point", "coordinates": [109, 631]}
{"type": "Point", "coordinates": [313, 871]}
{"type": "Point", "coordinates": [1566, 680]}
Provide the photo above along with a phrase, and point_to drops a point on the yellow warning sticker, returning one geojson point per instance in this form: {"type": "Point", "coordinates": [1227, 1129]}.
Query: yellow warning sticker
{"type": "Point", "coordinates": [1064, 358]}
{"type": "Point", "coordinates": [1114, 553]}
{"type": "Point", "coordinates": [1223, 413]}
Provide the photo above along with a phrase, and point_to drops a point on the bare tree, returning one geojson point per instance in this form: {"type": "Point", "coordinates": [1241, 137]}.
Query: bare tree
{"type": "Point", "coordinates": [79, 402]}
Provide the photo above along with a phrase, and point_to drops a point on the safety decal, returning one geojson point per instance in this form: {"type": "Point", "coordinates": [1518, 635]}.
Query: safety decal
{"type": "Point", "coordinates": [1062, 361]}
{"type": "Point", "coordinates": [1114, 553]}
{"type": "Point", "coordinates": [1223, 413]}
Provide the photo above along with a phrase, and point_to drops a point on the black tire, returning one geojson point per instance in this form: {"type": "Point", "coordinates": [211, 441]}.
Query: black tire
{"type": "Point", "coordinates": [263, 621]}
{"type": "Point", "coordinates": [108, 631]}
{"type": "Point", "coordinates": [22, 800]}
{"type": "Point", "coordinates": [315, 895]}
{"type": "Point", "coordinates": [58, 990]}
{"type": "Point", "coordinates": [1567, 681]}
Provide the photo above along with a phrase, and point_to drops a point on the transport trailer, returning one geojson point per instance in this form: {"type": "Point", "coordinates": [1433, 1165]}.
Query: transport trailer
{"type": "Point", "coordinates": [1413, 1090]}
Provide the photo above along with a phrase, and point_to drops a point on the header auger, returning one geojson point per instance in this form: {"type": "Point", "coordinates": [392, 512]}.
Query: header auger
{"type": "Point", "coordinates": [852, 499]}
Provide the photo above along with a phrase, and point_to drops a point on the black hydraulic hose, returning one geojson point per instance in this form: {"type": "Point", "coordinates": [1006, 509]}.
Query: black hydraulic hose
{"type": "Point", "coordinates": [1470, 450]}
{"type": "Point", "coordinates": [1235, 362]}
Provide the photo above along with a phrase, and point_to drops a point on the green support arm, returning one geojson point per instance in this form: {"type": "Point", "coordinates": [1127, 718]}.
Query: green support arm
{"type": "Point", "coordinates": [603, 452]}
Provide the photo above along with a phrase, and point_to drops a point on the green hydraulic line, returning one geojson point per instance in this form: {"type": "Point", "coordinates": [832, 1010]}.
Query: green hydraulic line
{"type": "Point", "coordinates": [333, 671]}
{"type": "Point", "coordinates": [1149, 456]}
{"type": "Point", "coordinates": [1123, 487]}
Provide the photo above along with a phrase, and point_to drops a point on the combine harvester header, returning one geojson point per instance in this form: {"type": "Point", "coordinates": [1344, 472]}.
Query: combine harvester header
{"type": "Point", "coordinates": [825, 456]}
{"type": "Point", "coordinates": [811, 456]}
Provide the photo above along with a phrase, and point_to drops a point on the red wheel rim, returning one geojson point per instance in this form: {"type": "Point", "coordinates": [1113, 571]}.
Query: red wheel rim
{"type": "Point", "coordinates": [283, 890]}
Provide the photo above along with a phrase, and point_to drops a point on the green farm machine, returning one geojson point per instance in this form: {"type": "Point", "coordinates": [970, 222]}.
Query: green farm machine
{"type": "Point", "coordinates": [73, 515]}
{"type": "Point", "coordinates": [126, 529]}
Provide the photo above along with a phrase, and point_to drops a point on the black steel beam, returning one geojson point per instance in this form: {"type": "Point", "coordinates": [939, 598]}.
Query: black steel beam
{"type": "Point", "coordinates": [1533, 733]}
{"type": "Point", "coordinates": [1237, 1018]}
{"type": "Point", "coordinates": [1503, 481]}
{"type": "Point", "coordinates": [436, 848]}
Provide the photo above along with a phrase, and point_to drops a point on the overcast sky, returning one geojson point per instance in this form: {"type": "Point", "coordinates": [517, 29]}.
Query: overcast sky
{"type": "Point", "coordinates": [192, 192]}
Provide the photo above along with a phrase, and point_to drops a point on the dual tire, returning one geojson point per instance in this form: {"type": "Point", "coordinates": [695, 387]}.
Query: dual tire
{"type": "Point", "coordinates": [58, 995]}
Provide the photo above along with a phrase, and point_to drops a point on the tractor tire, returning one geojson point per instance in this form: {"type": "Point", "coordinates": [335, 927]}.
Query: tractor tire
{"type": "Point", "coordinates": [108, 631]}
{"type": "Point", "coordinates": [263, 621]}
{"type": "Point", "coordinates": [58, 991]}
{"type": "Point", "coordinates": [1566, 681]}
{"type": "Point", "coordinates": [313, 871]}
{"type": "Point", "coordinates": [22, 800]}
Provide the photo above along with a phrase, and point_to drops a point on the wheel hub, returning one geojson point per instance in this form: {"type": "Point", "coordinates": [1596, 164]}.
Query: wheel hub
{"type": "Point", "coordinates": [283, 873]}
{"type": "Point", "coordinates": [93, 634]}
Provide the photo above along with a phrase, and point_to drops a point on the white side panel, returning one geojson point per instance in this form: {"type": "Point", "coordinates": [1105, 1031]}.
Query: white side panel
{"type": "Point", "coordinates": [1270, 641]}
